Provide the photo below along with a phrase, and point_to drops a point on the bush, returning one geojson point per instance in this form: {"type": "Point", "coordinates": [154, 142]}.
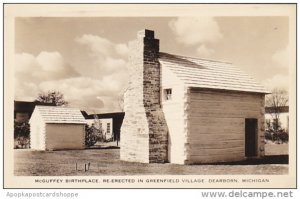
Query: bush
{"type": "Point", "coordinates": [278, 136]}
{"type": "Point", "coordinates": [21, 135]}
{"type": "Point", "coordinates": [21, 129]}
{"type": "Point", "coordinates": [22, 142]}
{"type": "Point", "coordinates": [92, 135]}
{"type": "Point", "coordinates": [283, 136]}
{"type": "Point", "coordinates": [268, 135]}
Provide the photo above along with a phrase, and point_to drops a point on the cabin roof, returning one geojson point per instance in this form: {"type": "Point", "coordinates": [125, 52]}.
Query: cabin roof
{"type": "Point", "coordinates": [202, 73]}
{"type": "Point", "coordinates": [56, 114]}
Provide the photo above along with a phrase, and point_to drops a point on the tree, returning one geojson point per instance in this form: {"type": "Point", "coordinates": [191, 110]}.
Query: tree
{"type": "Point", "coordinates": [52, 97]}
{"type": "Point", "coordinates": [277, 100]}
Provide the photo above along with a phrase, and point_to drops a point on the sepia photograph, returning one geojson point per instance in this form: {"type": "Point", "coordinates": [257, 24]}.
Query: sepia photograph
{"type": "Point", "coordinates": [113, 97]}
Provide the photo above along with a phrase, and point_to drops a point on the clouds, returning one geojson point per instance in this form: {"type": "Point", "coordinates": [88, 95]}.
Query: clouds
{"type": "Point", "coordinates": [77, 61]}
{"type": "Point", "coordinates": [94, 87]}
{"type": "Point", "coordinates": [281, 58]}
{"type": "Point", "coordinates": [278, 60]}
{"type": "Point", "coordinates": [278, 81]}
{"type": "Point", "coordinates": [87, 93]}
{"type": "Point", "coordinates": [197, 32]}
{"type": "Point", "coordinates": [45, 66]}
{"type": "Point", "coordinates": [106, 57]}
{"type": "Point", "coordinates": [108, 65]}
{"type": "Point", "coordinates": [31, 70]}
{"type": "Point", "coordinates": [51, 61]}
{"type": "Point", "coordinates": [193, 31]}
{"type": "Point", "coordinates": [204, 51]}
{"type": "Point", "coordinates": [100, 46]}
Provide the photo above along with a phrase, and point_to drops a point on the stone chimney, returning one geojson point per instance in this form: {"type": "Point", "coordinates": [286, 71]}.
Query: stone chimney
{"type": "Point", "coordinates": [144, 132]}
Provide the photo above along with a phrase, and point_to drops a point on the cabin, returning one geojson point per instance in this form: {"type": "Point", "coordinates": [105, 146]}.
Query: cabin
{"type": "Point", "coordinates": [187, 110]}
{"type": "Point", "coordinates": [57, 128]}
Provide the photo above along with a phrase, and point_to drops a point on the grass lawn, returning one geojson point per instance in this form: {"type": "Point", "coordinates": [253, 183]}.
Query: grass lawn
{"type": "Point", "coordinates": [276, 149]}
{"type": "Point", "coordinates": [106, 162]}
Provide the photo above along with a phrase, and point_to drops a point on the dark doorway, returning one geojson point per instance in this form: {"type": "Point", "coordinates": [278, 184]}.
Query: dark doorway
{"type": "Point", "coordinates": [250, 137]}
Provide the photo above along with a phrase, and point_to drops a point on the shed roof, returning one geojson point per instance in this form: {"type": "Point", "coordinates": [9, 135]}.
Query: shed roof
{"type": "Point", "coordinates": [202, 73]}
{"type": "Point", "coordinates": [56, 114]}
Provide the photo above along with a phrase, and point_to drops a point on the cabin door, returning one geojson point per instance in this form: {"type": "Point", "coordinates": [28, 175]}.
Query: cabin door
{"type": "Point", "coordinates": [250, 137]}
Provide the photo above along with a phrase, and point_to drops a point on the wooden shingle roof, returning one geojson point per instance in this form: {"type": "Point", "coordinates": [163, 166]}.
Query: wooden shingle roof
{"type": "Point", "coordinates": [201, 73]}
{"type": "Point", "coordinates": [56, 114]}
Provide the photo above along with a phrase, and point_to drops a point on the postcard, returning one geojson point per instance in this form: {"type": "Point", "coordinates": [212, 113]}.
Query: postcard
{"type": "Point", "coordinates": [149, 96]}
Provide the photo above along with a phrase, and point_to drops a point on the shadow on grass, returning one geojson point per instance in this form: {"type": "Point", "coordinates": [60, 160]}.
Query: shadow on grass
{"type": "Point", "coordinates": [272, 159]}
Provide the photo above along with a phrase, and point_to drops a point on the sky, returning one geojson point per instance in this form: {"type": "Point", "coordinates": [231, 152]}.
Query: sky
{"type": "Point", "coordinates": [85, 58]}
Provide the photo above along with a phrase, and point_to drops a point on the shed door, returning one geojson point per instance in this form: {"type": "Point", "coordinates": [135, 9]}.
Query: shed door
{"type": "Point", "coordinates": [250, 137]}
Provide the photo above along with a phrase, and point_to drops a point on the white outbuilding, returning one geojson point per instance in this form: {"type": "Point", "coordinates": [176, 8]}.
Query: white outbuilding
{"type": "Point", "coordinates": [57, 128]}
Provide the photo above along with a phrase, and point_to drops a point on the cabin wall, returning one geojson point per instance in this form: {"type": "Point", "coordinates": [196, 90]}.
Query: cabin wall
{"type": "Point", "coordinates": [216, 125]}
{"type": "Point", "coordinates": [65, 136]}
{"type": "Point", "coordinates": [37, 132]}
{"type": "Point", "coordinates": [175, 116]}
{"type": "Point", "coordinates": [37, 136]}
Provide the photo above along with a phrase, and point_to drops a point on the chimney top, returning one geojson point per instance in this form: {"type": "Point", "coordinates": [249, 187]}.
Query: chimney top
{"type": "Point", "coordinates": [145, 33]}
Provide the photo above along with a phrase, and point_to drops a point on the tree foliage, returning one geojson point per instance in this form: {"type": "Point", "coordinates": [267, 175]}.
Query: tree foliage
{"type": "Point", "coordinates": [279, 136]}
{"type": "Point", "coordinates": [55, 98]}
{"type": "Point", "coordinates": [21, 129]}
{"type": "Point", "coordinates": [21, 134]}
{"type": "Point", "coordinates": [277, 100]}
{"type": "Point", "coordinates": [92, 135]}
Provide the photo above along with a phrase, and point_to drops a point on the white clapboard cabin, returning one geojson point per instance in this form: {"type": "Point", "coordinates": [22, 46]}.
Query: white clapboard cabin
{"type": "Point", "coordinates": [105, 124]}
{"type": "Point", "coordinates": [188, 110]}
{"type": "Point", "coordinates": [57, 128]}
{"type": "Point", "coordinates": [214, 111]}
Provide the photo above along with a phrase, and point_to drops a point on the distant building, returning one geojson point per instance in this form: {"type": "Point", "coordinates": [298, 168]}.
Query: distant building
{"type": "Point", "coordinates": [110, 123]}
{"type": "Point", "coordinates": [283, 117]}
{"type": "Point", "coordinates": [55, 128]}
{"type": "Point", "coordinates": [23, 110]}
{"type": "Point", "coordinates": [105, 124]}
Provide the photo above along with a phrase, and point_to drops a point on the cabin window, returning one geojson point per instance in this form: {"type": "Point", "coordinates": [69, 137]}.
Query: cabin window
{"type": "Point", "coordinates": [167, 94]}
{"type": "Point", "coordinates": [108, 128]}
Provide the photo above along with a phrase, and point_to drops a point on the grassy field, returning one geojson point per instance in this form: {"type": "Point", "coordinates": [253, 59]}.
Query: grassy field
{"type": "Point", "coordinates": [106, 162]}
{"type": "Point", "coordinates": [276, 149]}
